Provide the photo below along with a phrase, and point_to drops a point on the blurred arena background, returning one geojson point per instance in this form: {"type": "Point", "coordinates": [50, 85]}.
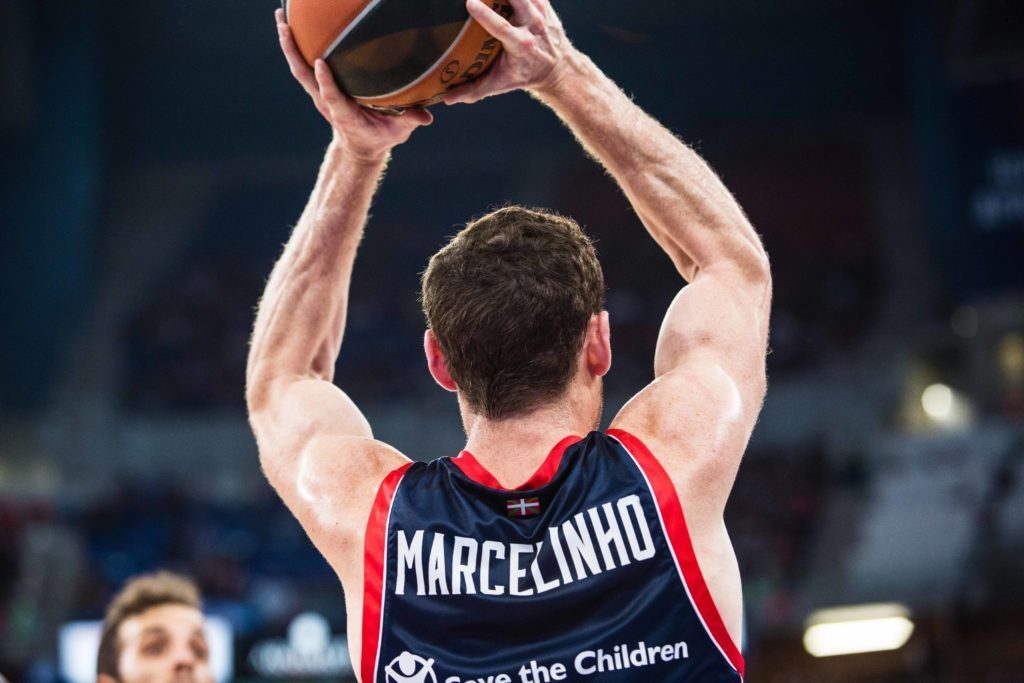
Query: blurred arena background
{"type": "Point", "coordinates": [155, 155]}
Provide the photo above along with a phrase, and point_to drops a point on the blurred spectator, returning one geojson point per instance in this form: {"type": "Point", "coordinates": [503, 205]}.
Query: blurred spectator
{"type": "Point", "coordinates": [153, 630]}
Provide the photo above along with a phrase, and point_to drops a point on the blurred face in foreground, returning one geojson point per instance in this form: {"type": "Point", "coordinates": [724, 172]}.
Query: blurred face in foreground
{"type": "Point", "coordinates": [164, 644]}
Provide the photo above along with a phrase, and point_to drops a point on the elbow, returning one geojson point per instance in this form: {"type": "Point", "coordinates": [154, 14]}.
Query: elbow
{"type": "Point", "coordinates": [762, 267]}
{"type": "Point", "coordinates": [255, 383]}
{"type": "Point", "coordinates": [756, 265]}
{"type": "Point", "coordinates": [750, 268]}
{"type": "Point", "coordinates": [756, 273]}
{"type": "Point", "coordinates": [255, 396]}
{"type": "Point", "coordinates": [258, 386]}
{"type": "Point", "coordinates": [262, 375]}
{"type": "Point", "coordinates": [752, 254]}
{"type": "Point", "coordinates": [256, 400]}
{"type": "Point", "coordinates": [746, 259]}
{"type": "Point", "coordinates": [759, 389]}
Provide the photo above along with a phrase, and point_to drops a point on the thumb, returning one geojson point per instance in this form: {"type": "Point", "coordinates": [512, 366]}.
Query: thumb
{"type": "Point", "coordinates": [467, 93]}
{"type": "Point", "coordinates": [419, 116]}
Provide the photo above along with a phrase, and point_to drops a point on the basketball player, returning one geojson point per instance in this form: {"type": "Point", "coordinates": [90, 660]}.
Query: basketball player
{"type": "Point", "coordinates": [153, 632]}
{"type": "Point", "coordinates": [545, 551]}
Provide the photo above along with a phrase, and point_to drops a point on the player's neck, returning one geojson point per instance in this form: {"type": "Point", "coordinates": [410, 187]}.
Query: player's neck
{"type": "Point", "coordinates": [514, 448]}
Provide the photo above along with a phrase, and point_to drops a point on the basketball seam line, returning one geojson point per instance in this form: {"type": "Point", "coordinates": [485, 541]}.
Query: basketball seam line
{"type": "Point", "coordinates": [348, 29]}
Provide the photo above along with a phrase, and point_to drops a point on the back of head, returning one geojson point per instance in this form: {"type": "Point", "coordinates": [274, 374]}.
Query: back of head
{"type": "Point", "coordinates": [139, 595]}
{"type": "Point", "coordinates": [508, 300]}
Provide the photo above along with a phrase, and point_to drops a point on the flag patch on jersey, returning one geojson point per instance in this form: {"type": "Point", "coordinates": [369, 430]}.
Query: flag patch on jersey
{"type": "Point", "coordinates": [523, 507]}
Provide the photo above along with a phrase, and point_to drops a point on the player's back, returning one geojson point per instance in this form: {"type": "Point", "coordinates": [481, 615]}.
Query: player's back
{"type": "Point", "coordinates": [586, 571]}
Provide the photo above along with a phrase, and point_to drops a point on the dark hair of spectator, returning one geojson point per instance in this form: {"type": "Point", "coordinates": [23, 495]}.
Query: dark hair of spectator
{"type": "Point", "coordinates": [508, 300]}
{"type": "Point", "coordinates": [138, 595]}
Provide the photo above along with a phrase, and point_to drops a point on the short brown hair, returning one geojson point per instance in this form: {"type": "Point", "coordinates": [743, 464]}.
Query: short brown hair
{"type": "Point", "coordinates": [508, 300]}
{"type": "Point", "coordinates": [137, 596]}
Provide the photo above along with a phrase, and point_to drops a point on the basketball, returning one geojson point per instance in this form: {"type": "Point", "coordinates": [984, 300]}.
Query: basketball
{"type": "Point", "coordinates": [394, 54]}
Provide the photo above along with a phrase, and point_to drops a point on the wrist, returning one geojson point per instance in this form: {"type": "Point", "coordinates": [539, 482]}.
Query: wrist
{"type": "Point", "coordinates": [564, 79]}
{"type": "Point", "coordinates": [357, 156]}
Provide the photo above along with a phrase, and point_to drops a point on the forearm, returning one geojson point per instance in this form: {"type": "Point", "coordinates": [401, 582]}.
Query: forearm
{"type": "Point", "coordinates": [680, 200]}
{"type": "Point", "coordinates": [301, 317]}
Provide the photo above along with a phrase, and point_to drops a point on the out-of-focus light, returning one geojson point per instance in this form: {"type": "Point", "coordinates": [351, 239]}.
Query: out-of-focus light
{"type": "Point", "coordinates": [1011, 356]}
{"type": "Point", "coordinates": [965, 322]}
{"type": "Point", "coordinates": [857, 629]}
{"type": "Point", "coordinates": [937, 401]}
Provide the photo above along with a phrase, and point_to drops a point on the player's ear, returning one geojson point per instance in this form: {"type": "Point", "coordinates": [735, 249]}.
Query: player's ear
{"type": "Point", "coordinates": [599, 344]}
{"type": "Point", "coordinates": [104, 678]}
{"type": "Point", "coordinates": [436, 363]}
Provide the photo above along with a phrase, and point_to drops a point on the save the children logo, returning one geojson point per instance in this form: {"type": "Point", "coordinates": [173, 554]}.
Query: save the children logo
{"type": "Point", "coordinates": [410, 668]}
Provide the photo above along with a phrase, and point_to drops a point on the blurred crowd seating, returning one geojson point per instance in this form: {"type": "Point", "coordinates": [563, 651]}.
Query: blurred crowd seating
{"type": "Point", "coordinates": [15, 517]}
{"type": "Point", "coordinates": [185, 344]}
{"type": "Point", "coordinates": [920, 533]}
{"type": "Point", "coordinates": [251, 558]}
{"type": "Point", "coordinates": [774, 513]}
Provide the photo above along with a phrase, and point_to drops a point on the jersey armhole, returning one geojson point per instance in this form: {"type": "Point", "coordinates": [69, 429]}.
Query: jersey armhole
{"type": "Point", "coordinates": [374, 571]}
{"type": "Point", "coordinates": [673, 522]}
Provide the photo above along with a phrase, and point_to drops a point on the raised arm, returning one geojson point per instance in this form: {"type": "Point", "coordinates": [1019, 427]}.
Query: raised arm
{"type": "Point", "coordinates": [315, 446]}
{"type": "Point", "coordinates": [709, 364]}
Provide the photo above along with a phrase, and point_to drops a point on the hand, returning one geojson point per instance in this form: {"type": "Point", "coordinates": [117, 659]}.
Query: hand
{"type": "Point", "coordinates": [364, 133]}
{"type": "Point", "coordinates": [535, 50]}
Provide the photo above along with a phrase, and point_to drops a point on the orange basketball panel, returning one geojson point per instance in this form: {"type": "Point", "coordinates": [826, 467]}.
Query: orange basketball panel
{"type": "Point", "coordinates": [316, 24]}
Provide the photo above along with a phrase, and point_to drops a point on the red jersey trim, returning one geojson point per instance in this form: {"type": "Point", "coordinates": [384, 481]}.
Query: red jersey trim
{"type": "Point", "coordinates": [472, 468]}
{"type": "Point", "coordinates": [374, 566]}
{"type": "Point", "coordinates": [674, 523]}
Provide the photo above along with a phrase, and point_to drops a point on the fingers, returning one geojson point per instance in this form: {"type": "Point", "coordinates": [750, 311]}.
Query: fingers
{"type": "Point", "coordinates": [361, 129]}
{"type": "Point", "coordinates": [296, 62]}
{"type": "Point", "coordinates": [541, 7]}
{"type": "Point", "coordinates": [494, 23]}
{"type": "Point", "coordinates": [336, 101]}
{"type": "Point", "coordinates": [477, 90]}
{"type": "Point", "coordinates": [464, 94]}
{"type": "Point", "coordinates": [523, 12]}
{"type": "Point", "coordinates": [499, 79]}
{"type": "Point", "coordinates": [407, 120]}
{"type": "Point", "coordinates": [420, 117]}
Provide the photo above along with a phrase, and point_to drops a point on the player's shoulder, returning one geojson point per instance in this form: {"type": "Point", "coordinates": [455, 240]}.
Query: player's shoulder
{"type": "Point", "coordinates": [683, 405]}
{"type": "Point", "coordinates": [696, 422]}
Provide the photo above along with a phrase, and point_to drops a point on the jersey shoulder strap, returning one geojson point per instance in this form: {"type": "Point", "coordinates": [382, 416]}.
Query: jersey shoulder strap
{"type": "Point", "coordinates": [673, 522]}
{"type": "Point", "coordinates": [374, 564]}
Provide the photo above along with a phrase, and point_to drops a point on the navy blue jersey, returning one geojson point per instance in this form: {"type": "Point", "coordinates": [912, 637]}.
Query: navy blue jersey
{"type": "Point", "coordinates": [585, 572]}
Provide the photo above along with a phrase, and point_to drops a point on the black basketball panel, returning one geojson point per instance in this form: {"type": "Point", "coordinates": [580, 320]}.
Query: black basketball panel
{"type": "Point", "coordinates": [395, 44]}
